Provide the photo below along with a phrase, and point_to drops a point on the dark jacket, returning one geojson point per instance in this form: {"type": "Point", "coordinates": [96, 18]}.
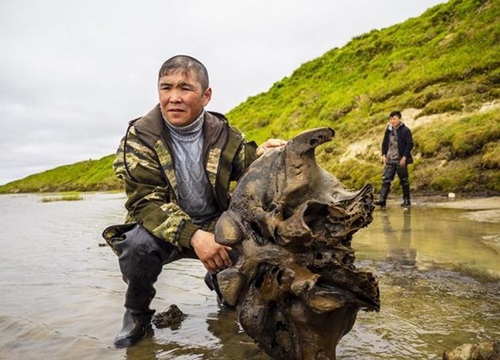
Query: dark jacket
{"type": "Point", "coordinates": [405, 142]}
{"type": "Point", "coordinates": [147, 170]}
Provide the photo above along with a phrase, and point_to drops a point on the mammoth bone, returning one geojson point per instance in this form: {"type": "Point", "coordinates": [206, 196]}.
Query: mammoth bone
{"type": "Point", "coordinates": [293, 281]}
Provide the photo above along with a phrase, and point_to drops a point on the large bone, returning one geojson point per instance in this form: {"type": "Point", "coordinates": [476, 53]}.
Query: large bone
{"type": "Point", "coordinates": [290, 224]}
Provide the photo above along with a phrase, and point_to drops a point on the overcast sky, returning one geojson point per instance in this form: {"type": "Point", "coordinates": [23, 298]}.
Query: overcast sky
{"type": "Point", "coordinates": [73, 73]}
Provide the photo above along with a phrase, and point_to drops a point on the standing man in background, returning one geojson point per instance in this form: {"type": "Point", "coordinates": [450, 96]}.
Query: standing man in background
{"type": "Point", "coordinates": [176, 163]}
{"type": "Point", "coordinates": [396, 156]}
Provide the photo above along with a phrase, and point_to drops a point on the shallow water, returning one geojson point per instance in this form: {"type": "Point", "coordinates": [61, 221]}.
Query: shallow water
{"type": "Point", "coordinates": [62, 293]}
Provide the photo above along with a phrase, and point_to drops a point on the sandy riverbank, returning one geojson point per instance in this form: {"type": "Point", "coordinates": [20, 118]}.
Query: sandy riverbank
{"type": "Point", "coordinates": [478, 209]}
{"type": "Point", "coordinates": [489, 206]}
{"type": "Point", "coordinates": [487, 203]}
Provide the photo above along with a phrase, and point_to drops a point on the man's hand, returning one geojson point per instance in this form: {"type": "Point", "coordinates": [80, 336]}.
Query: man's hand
{"type": "Point", "coordinates": [384, 160]}
{"type": "Point", "coordinates": [402, 162]}
{"type": "Point", "coordinates": [214, 256]}
{"type": "Point", "coordinates": [270, 144]}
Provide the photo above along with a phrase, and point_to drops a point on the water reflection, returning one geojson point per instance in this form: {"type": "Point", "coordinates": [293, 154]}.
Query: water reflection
{"type": "Point", "coordinates": [439, 284]}
{"type": "Point", "coordinates": [62, 294]}
{"type": "Point", "coordinates": [400, 252]}
{"type": "Point", "coordinates": [430, 237]}
{"type": "Point", "coordinates": [229, 341]}
{"type": "Point", "coordinates": [235, 344]}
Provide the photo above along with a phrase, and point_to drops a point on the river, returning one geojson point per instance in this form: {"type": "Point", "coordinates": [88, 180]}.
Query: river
{"type": "Point", "coordinates": [62, 293]}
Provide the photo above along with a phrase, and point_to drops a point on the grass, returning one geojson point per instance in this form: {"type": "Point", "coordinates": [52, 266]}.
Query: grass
{"type": "Point", "coordinates": [466, 137]}
{"type": "Point", "coordinates": [62, 197]}
{"type": "Point", "coordinates": [89, 175]}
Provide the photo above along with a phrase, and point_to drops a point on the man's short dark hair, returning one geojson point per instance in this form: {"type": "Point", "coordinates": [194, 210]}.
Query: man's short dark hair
{"type": "Point", "coordinates": [395, 113]}
{"type": "Point", "coordinates": [186, 64]}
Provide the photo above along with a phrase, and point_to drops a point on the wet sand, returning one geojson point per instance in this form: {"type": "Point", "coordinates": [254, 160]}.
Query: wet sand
{"type": "Point", "coordinates": [488, 203]}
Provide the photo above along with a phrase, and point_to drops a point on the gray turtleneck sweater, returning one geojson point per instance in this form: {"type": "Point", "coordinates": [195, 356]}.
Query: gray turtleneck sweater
{"type": "Point", "coordinates": [195, 194]}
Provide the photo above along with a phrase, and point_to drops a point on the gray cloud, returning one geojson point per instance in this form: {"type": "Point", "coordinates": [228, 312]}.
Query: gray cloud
{"type": "Point", "coordinates": [72, 74]}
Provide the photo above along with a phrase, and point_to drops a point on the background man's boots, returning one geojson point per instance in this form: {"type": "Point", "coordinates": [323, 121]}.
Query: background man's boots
{"type": "Point", "coordinates": [384, 192]}
{"type": "Point", "coordinates": [134, 328]}
{"type": "Point", "coordinates": [406, 195]}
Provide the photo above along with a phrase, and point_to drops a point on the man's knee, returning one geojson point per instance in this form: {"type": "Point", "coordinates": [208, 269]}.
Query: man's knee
{"type": "Point", "coordinates": [135, 239]}
{"type": "Point", "coordinates": [138, 250]}
{"type": "Point", "coordinates": [388, 174]}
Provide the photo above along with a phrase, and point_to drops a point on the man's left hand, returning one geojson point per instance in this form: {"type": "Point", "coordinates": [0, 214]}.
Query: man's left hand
{"type": "Point", "coordinates": [270, 144]}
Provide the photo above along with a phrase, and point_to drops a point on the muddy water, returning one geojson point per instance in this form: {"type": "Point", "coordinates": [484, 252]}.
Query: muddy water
{"type": "Point", "coordinates": [61, 293]}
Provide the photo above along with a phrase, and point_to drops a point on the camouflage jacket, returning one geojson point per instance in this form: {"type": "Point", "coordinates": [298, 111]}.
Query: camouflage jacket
{"type": "Point", "coordinates": [145, 164]}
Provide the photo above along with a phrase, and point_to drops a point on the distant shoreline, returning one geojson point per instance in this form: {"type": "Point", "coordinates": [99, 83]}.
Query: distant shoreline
{"type": "Point", "coordinates": [462, 201]}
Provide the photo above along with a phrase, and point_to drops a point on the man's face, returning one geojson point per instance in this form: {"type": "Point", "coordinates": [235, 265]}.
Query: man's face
{"type": "Point", "coordinates": [395, 121]}
{"type": "Point", "coordinates": [181, 97]}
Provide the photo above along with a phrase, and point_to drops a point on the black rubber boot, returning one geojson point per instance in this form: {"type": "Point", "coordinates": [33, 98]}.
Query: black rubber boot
{"type": "Point", "coordinates": [406, 195]}
{"type": "Point", "coordinates": [406, 203]}
{"type": "Point", "coordinates": [141, 259]}
{"type": "Point", "coordinates": [134, 328]}
{"type": "Point", "coordinates": [384, 192]}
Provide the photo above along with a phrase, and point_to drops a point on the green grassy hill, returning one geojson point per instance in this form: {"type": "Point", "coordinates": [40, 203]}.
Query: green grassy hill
{"type": "Point", "coordinates": [90, 175]}
{"type": "Point", "coordinates": [440, 69]}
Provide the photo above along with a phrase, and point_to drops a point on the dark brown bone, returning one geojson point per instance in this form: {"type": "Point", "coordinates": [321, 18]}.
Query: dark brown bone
{"type": "Point", "coordinates": [293, 281]}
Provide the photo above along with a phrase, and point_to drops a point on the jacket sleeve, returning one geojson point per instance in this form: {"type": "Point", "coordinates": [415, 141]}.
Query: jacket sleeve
{"type": "Point", "coordinates": [385, 143]}
{"type": "Point", "coordinates": [149, 197]}
{"type": "Point", "coordinates": [408, 141]}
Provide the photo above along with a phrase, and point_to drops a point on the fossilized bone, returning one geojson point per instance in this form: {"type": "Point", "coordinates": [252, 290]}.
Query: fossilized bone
{"type": "Point", "coordinates": [293, 280]}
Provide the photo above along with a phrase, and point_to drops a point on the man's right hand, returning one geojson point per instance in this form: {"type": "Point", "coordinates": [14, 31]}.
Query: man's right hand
{"type": "Point", "coordinates": [214, 256]}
